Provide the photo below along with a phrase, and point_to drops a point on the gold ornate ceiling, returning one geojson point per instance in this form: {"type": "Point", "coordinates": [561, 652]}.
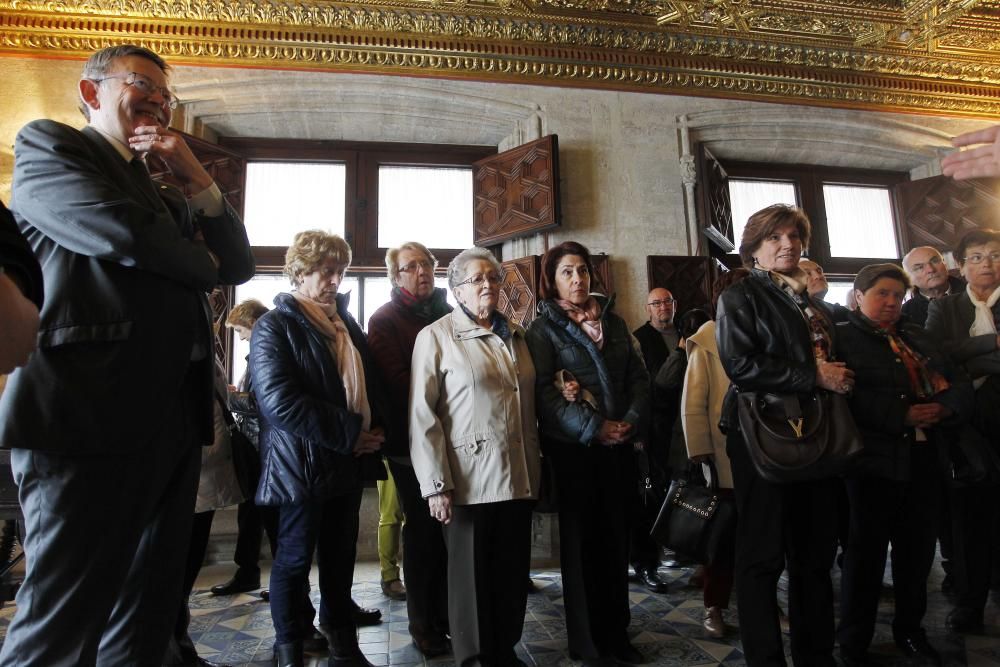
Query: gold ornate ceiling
{"type": "Point", "coordinates": [931, 56]}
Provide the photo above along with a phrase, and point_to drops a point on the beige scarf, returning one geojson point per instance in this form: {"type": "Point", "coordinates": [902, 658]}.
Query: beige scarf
{"type": "Point", "coordinates": [325, 318]}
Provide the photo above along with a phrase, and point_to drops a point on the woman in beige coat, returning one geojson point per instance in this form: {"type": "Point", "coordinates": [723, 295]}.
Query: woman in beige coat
{"type": "Point", "coordinates": [474, 447]}
{"type": "Point", "coordinates": [705, 386]}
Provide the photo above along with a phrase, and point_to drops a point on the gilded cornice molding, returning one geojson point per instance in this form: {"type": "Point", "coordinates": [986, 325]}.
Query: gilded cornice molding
{"type": "Point", "coordinates": [852, 55]}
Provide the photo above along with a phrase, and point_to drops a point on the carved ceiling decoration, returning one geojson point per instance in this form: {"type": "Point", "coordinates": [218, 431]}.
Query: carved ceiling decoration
{"type": "Point", "coordinates": [937, 56]}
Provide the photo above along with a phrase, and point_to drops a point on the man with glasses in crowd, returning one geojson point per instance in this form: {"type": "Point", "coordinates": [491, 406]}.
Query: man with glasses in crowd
{"type": "Point", "coordinates": [658, 339]}
{"type": "Point", "coordinates": [106, 420]}
{"type": "Point", "coordinates": [929, 274]}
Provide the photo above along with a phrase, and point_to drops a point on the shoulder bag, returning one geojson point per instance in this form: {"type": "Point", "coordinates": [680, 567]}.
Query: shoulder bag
{"type": "Point", "coordinates": [798, 437]}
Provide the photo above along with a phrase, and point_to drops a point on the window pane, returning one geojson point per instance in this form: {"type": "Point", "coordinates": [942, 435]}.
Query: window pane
{"type": "Point", "coordinates": [748, 197]}
{"type": "Point", "coordinates": [859, 220]}
{"type": "Point", "coordinates": [264, 288]}
{"type": "Point", "coordinates": [432, 205]}
{"type": "Point", "coordinates": [283, 198]}
{"type": "Point", "coordinates": [378, 291]}
{"type": "Point", "coordinates": [838, 292]}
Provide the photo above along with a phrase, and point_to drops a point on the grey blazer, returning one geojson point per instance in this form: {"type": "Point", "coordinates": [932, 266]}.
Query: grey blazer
{"type": "Point", "coordinates": [949, 319]}
{"type": "Point", "coordinates": [125, 296]}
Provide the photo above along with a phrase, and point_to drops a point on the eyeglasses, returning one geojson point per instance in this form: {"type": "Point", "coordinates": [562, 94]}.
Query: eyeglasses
{"type": "Point", "coordinates": [477, 280]}
{"type": "Point", "coordinates": [660, 303]}
{"type": "Point", "coordinates": [933, 261]}
{"type": "Point", "coordinates": [412, 267]}
{"type": "Point", "coordinates": [994, 258]}
{"type": "Point", "coordinates": [145, 86]}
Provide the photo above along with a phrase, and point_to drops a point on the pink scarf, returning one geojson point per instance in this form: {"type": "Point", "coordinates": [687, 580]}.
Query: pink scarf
{"type": "Point", "coordinates": [587, 317]}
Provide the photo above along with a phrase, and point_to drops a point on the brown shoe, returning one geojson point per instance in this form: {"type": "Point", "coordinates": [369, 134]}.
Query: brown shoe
{"type": "Point", "coordinates": [394, 590]}
{"type": "Point", "coordinates": [714, 626]}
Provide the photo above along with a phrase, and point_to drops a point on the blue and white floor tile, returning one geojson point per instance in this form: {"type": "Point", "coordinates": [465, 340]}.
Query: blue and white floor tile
{"type": "Point", "coordinates": [237, 630]}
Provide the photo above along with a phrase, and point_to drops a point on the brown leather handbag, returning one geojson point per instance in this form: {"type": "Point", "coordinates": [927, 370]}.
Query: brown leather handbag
{"type": "Point", "coordinates": [798, 437]}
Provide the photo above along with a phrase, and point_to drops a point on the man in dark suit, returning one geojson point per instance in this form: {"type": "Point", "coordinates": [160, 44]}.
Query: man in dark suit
{"type": "Point", "coordinates": [20, 295]}
{"type": "Point", "coordinates": [657, 339]}
{"type": "Point", "coordinates": [929, 274]}
{"type": "Point", "coordinates": [106, 419]}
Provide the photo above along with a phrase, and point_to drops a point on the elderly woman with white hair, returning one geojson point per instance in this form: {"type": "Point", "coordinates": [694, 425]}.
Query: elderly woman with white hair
{"type": "Point", "coordinates": [316, 392]}
{"type": "Point", "coordinates": [474, 447]}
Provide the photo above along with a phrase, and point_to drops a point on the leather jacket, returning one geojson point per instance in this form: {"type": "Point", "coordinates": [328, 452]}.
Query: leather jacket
{"type": "Point", "coordinates": [764, 341]}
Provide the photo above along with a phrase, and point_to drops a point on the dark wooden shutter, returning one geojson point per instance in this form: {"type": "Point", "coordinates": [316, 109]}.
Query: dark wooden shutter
{"type": "Point", "coordinates": [938, 211]}
{"type": "Point", "coordinates": [715, 211]}
{"type": "Point", "coordinates": [689, 279]}
{"type": "Point", "coordinates": [601, 281]}
{"type": "Point", "coordinates": [519, 289]}
{"type": "Point", "coordinates": [228, 169]}
{"type": "Point", "coordinates": [516, 193]}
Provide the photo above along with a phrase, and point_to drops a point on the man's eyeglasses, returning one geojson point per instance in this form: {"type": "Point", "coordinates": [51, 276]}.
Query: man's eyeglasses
{"type": "Point", "coordinates": [145, 86]}
{"type": "Point", "coordinates": [477, 280]}
{"type": "Point", "coordinates": [933, 261]}
{"type": "Point", "coordinates": [977, 258]}
{"type": "Point", "coordinates": [660, 303]}
{"type": "Point", "coordinates": [412, 267]}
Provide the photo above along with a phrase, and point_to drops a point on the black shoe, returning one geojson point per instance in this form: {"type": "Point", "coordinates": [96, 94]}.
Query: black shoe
{"type": "Point", "coordinates": [851, 660]}
{"type": "Point", "coordinates": [363, 616]}
{"type": "Point", "coordinates": [432, 646]}
{"type": "Point", "coordinates": [627, 654]}
{"type": "Point", "coordinates": [265, 594]}
{"type": "Point", "coordinates": [316, 642]}
{"type": "Point", "coordinates": [919, 648]}
{"type": "Point", "coordinates": [532, 588]}
{"type": "Point", "coordinates": [965, 620]}
{"type": "Point", "coordinates": [240, 583]}
{"type": "Point", "coordinates": [650, 578]}
{"type": "Point", "coordinates": [288, 655]}
{"type": "Point", "coordinates": [344, 650]}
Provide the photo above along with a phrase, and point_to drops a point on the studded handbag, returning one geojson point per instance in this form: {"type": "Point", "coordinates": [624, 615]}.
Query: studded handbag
{"type": "Point", "coordinates": [696, 521]}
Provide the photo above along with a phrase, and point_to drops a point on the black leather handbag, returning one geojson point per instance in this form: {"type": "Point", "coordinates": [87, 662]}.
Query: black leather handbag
{"type": "Point", "coordinates": [696, 521]}
{"type": "Point", "coordinates": [798, 437]}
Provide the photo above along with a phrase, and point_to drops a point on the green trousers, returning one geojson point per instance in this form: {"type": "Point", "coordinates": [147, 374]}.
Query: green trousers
{"type": "Point", "coordinates": [390, 522]}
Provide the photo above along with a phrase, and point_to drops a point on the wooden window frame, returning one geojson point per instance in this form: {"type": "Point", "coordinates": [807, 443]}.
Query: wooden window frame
{"type": "Point", "coordinates": [363, 160]}
{"type": "Point", "coordinates": [809, 181]}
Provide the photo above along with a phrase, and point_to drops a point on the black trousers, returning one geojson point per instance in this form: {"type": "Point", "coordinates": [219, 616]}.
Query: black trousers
{"type": "Point", "coordinates": [905, 514]}
{"type": "Point", "coordinates": [595, 486]}
{"type": "Point", "coordinates": [180, 650]}
{"type": "Point", "coordinates": [425, 559]}
{"type": "Point", "coordinates": [489, 557]}
{"type": "Point", "coordinates": [973, 514]}
{"type": "Point", "coordinates": [250, 527]}
{"type": "Point", "coordinates": [779, 525]}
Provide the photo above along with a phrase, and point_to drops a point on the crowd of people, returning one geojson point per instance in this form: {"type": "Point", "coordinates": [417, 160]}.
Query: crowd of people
{"type": "Point", "coordinates": [121, 427]}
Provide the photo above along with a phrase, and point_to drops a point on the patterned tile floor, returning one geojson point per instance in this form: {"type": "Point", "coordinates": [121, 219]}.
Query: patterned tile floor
{"type": "Point", "coordinates": [237, 630]}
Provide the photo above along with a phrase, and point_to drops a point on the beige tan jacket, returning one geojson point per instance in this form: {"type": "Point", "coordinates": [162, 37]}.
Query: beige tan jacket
{"type": "Point", "coordinates": [705, 385]}
{"type": "Point", "coordinates": [472, 413]}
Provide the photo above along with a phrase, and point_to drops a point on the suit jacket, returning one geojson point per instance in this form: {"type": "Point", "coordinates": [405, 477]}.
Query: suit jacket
{"type": "Point", "coordinates": [125, 296]}
{"type": "Point", "coordinates": [916, 308]}
{"type": "Point", "coordinates": [949, 319]}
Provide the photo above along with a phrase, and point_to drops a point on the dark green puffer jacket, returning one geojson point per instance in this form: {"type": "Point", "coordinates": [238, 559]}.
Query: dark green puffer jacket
{"type": "Point", "coordinates": [615, 375]}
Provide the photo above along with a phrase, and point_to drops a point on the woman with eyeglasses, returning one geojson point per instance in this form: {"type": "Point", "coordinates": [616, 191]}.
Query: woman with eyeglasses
{"type": "Point", "coordinates": [966, 325]}
{"type": "Point", "coordinates": [579, 343]}
{"type": "Point", "coordinates": [474, 448]}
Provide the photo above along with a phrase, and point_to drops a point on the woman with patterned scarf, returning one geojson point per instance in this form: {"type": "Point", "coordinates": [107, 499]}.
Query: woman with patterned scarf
{"type": "Point", "coordinates": [907, 394]}
{"type": "Point", "coordinates": [317, 394]}
{"type": "Point", "coordinates": [774, 338]}
{"type": "Point", "coordinates": [579, 340]}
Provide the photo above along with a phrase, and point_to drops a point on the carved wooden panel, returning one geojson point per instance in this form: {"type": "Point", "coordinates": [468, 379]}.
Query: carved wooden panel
{"type": "Point", "coordinates": [516, 193]}
{"type": "Point", "coordinates": [938, 211]}
{"type": "Point", "coordinates": [689, 279]}
{"type": "Point", "coordinates": [519, 289]}
{"type": "Point", "coordinates": [601, 281]}
{"type": "Point", "coordinates": [715, 212]}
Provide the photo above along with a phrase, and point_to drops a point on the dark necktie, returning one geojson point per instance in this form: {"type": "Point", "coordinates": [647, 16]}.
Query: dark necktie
{"type": "Point", "coordinates": [140, 174]}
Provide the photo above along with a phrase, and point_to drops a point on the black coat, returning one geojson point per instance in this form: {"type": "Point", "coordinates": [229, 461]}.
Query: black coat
{"type": "Point", "coordinates": [307, 433]}
{"type": "Point", "coordinates": [916, 308]}
{"type": "Point", "coordinates": [882, 394]}
{"type": "Point", "coordinates": [949, 320]}
{"type": "Point", "coordinates": [17, 259]}
{"type": "Point", "coordinates": [615, 375]}
{"type": "Point", "coordinates": [243, 404]}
